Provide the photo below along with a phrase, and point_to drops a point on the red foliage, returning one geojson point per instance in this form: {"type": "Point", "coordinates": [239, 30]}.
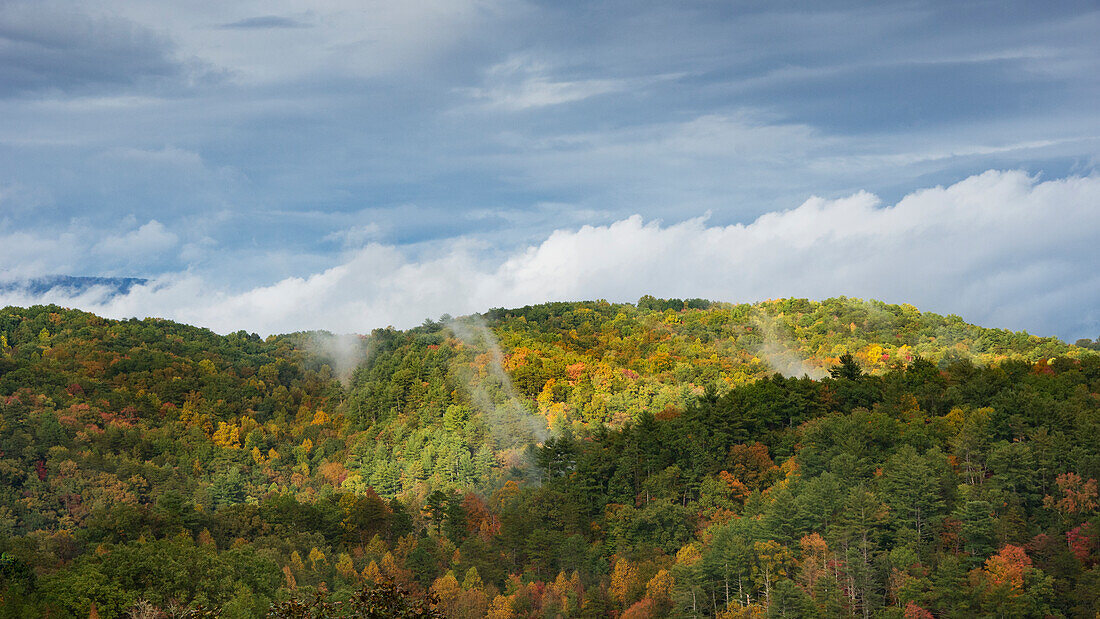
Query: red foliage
{"type": "Point", "coordinates": [912, 611]}
{"type": "Point", "coordinates": [1043, 368]}
{"type": "Point", "coordinates": [1082, 543]}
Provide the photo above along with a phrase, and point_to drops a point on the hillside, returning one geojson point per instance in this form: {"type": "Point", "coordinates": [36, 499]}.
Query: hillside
{"type": "Point", "coordinates": [573, 459]}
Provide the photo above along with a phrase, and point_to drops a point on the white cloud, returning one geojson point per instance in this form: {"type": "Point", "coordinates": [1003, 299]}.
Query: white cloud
{"type": "Point", "coordinates": [1001, 249]}
{"type": "Point", "coordinates": [24, 254]}
{"type": "Point", "coordinates": [355, 236]}
{"type": "Point", "coordinates": [81, 250]}
{"type": "Point", "coordinates": [150, 239]}
{"type": "Point", "coordinates": [522, 84]}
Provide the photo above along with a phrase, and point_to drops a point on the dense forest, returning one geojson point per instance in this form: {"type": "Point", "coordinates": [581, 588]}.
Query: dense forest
{"type": "Point", "coordinates": [680, 458]}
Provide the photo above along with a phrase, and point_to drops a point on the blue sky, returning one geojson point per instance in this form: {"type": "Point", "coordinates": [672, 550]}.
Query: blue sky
{"type": "Point", "coordinates": [354, 151]}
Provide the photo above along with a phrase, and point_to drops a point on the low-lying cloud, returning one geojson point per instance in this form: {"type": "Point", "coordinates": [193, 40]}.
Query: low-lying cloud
{"type": "Point", "coordinates": [1001, 249]}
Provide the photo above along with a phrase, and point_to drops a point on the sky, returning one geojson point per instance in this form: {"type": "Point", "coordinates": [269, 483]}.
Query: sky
{"type": "Point", "coordinates": [347, 165]}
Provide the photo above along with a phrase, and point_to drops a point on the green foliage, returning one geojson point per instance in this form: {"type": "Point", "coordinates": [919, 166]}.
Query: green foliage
{"type": "Point", "coordinates": [608, 458]}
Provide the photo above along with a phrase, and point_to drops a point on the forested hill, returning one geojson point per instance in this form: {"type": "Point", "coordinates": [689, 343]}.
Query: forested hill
{"type": "Point", "coordinates": [569, 459]}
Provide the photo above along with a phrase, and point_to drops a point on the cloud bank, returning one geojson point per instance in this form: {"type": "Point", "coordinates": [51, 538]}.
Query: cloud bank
{"type": "Point", "coordinates": [1001, 248]}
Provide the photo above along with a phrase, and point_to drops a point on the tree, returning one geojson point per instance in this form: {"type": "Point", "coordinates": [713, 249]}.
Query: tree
{"type": "Point", "coordinates": [659, 590]}
{"type": "Point", "coordinates": [788, 600]}
{"type": "Point", "coordinates": [372, 601]}
{"type": "Point", "coordinates": [773, 562]}
{"type": "Point", "coordinates": [435, 508]}
{"type": "Point", "coordinates": [858, 531]}
{"type": "Point", "coordinates": [625, 585]}
{"type": "Point", "coordinates": [848, 369]}
{"type": "Point", "coordinates": [1010, 586]}
{"type": "Point", "coordinates": [911, 486]}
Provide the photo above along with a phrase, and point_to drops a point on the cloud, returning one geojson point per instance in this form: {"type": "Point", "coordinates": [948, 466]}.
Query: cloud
{"type": "Point", "coordinates": [1001, 248]}
{"type": "Point", "coordinates": [264, 22]}
{"type": "Point", "coordinates": [169, 157]}
{"type": "Point", "coordinates": [148, 240]}
{"type": "Point", "coordinates": [51, 46]}
{"type": "Point", "coordinates": [355, 236]}
{"type": "Point", "coordinates": [25, 254]}
{"type": "Point", "coordinates": [522, 84]}
{"type": "Point", "coordinates": [81, 250]}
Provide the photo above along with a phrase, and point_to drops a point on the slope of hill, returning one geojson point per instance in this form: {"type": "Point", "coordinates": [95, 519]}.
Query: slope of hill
{"type": "Point", "coordinates": [579, 459]}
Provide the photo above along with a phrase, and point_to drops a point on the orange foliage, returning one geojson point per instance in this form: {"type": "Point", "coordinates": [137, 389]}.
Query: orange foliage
{"type": "Point", "coordinates": [669, 412]}
{"type": "Point", "coordinates": [575, 371]}
{"type": "Point", "coordinates": [1008, 567]}
{"type": "Point", "coordinates": [333, 472]}
{"type": "Point", "coordinates": [643, 609]}
{"type": "Point", "coordinates": [1078, 496]}
{"type": "Point", "coordinates": [752, 465]}
{"type": "Point", "coordinates": [737, 490]}
{"type": "Point", "coordinates": [478, 517]}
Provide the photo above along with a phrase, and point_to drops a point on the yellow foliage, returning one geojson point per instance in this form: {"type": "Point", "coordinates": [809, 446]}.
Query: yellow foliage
{"type": "Point", "coordinates": [752, 611]}
{"type": "Point", "coordinates": [345, 568]}
{"type": "Point", "coordinates": [659, 588]}
{"type": "Point", "coordinates": [389, 566]}
{"type": "Point", "coordinates": [688, 555]}
{"type": "Point", "coordinates": [227, 435]}
{"type": "Point", "coordinates": [315, 557]}
{"type": "Point", "coordinates": [623, 580]}
{"type": "Point", "coordinates": [376, 546]}
{"type": "Point", "coordinates": [789, 469]}
{"type": "Point", "coordinates": [501, 608]}
{"type": "Point", "coordinates": [447, 589]}
{"type": "Point", "coordinates": [296, 562]}
{"type": "Point", "coordinates": [319, 418]}
{"type": "Point", "coordinates": [371, 573]}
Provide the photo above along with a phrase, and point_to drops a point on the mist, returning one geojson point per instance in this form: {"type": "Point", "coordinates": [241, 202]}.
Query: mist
{"type": "Point", "coordinates": [779, 352]}
{"type": "Point", "coordinates": [346, 352]}
{"type": "Point", "coordinates": [511, 421]}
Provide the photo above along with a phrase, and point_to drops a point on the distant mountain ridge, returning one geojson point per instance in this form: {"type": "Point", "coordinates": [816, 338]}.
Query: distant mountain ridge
{"type": "Point", "coordinates": [70, 284]}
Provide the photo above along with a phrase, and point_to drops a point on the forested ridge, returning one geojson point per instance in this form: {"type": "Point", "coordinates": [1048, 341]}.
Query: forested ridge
{"type": "Point", "coordinates": [671, 457]}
